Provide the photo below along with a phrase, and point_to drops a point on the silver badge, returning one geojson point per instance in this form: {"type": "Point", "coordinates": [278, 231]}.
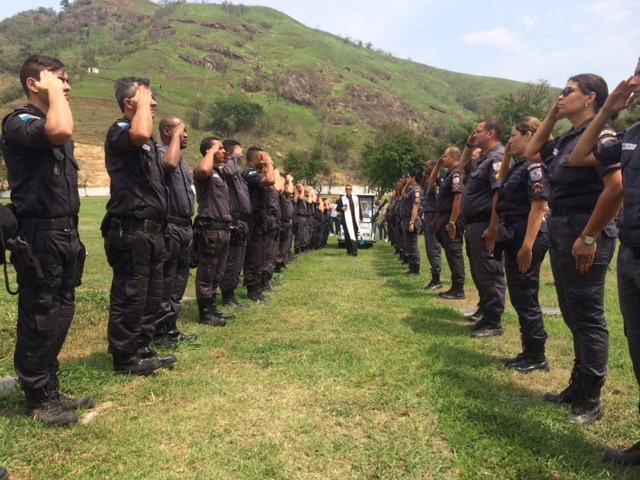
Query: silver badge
{"type": "Point", "coordinates": [535, 174]}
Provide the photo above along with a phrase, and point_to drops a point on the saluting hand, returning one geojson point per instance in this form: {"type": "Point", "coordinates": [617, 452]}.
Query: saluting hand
{"type": "Point", "coordinates": [49, 83]}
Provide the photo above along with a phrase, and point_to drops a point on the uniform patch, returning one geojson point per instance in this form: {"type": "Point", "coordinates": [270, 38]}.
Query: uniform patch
{"type": "Point", "coordinates": [607, 132]}
{"type": "Point", "coordinates": [496, 166]}
{"type": "Point", "coordinates": [252, 173]}
{"type": "Point", "coordinates": [146, 147]}
{"type": "Point", "coordinates": [417, 194]}
{"type": "Point", "coordinates": [535, 174]}
{"type": "Point", "coordinates": [456, 179]}
{"type": "Point", "coordinates": [123, 124]}
{"type": "Point", "coordinates": [536, 187]}
{"type": "Point", "coordinates": [555, 151]}
{"type": "Point", "coordinates": [27, 116]}
{"type": "Point", "coordinates": [629, 146]}
{"type": "Point", "coordinates": [215, 175]}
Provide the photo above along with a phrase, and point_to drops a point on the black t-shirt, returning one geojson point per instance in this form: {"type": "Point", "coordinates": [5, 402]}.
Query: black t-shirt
{"type": "Point", "coordinates": [525, 182]}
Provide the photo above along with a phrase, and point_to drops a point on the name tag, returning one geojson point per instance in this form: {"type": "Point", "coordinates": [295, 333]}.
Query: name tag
{"type": "Point", "coordinates": [555, 151]}
{"type": "Point", "coordinates": [629, 146]}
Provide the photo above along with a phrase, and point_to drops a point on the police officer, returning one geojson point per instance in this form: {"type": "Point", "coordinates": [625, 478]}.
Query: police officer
{"type": "Point", "coordinates": [583, 202]}
{"type": "Point", "coordinates": [240, 216]}
{"type": "Point", "coordinates": [213, 225]}
{"type": "Point", "coordinates": [286, 222]}
{"type": "Point", "coordinates": [272, 233]}
{"type": "Point", "coordinates": [178, 233]}
{"type": "Point", "coordinates": [49, 257]}
{"type": "Point", "coordinates": [478, 203]}
{"type": "Point", "coordinates": [521, 207]}
{"type": "Point", "coordinates": [432, 246]}
{"type": "Point", "coordinates": [411, 221]}
{"type": "Point", "coordinates": [447, 223]}
{"type": "Point", "coordinates": [301, 223]}
{"type": "Point", "coordinates": [133, 230]}
{"type": "Point", "coordinates": [624, 150]}
{"type": "Point", "coordinates": [259, 174]}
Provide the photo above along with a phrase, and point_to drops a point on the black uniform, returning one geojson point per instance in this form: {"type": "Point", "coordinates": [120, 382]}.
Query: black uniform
{"type": "Point", "coordinates": [524, 183]}
{"type": "Point", "coordinates": [240, 230]}
{"type": "Point", "coordinates": [213, 224]}
{"type": "Point", "coordinates": [431, 244]}
{"type": "Point", "coordinates": [450, 186]}
{"type": "Point", "coordinates": [286, 231]}
{"type": "Point", "coordinates": [487, 272]}
{"type": "Point", "coordinates": [410, 198]}
{"type": "Point", "coordinates": [302, 227]}
{"type": "Point", "coordinates": [254, 257]}
{"type": "Point", "coordinates": [44, 190]}
{"type": "Point", "coordinates": [134, 241]}
{"type": "Point", "coordinates": [574, 192]}
{"type": "Point", "coordinates": [178, 238]}
{"type": "Point", "coordinates": [272, 236]}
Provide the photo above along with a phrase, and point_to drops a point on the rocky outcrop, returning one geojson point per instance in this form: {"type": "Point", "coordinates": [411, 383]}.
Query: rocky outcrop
{"type": "Point", "coordinates": [305, 87]}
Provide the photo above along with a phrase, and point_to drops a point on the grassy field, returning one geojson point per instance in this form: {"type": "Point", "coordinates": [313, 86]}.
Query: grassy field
{"type": "Point", "coordinates": [350, 371]}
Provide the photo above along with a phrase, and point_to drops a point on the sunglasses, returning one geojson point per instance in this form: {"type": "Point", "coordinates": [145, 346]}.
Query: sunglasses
{"type": "Point", "coordinates": [567, 91]}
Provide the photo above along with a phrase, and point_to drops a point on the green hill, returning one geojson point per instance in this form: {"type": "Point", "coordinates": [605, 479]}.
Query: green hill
{"type": "Point", "coordinates": [316, 89]}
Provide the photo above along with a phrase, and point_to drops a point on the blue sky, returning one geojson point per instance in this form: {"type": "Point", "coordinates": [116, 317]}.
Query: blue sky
{"type": "Point", "coordinates": [526, 41]}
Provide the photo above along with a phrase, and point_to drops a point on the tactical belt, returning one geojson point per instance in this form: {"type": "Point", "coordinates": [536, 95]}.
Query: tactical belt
{"type": "Point", "coordinates": [180, 221]}
{"type": "Point", "coordinates": [44, 224]}
{"type": "Point", "coordinates": [479, 218]}
{"type": "Point", "coordinates": [513, 219]}
{"type": "Point", "coordinates": [130, 224]}
{"type": "Point", "coordinates": [209, 224]}
{"type": "Point", "coordinates": [568, 212]}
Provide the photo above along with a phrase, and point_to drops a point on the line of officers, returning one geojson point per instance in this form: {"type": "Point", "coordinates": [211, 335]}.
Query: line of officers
{"type": "Point", "coordinates": [248, 216]}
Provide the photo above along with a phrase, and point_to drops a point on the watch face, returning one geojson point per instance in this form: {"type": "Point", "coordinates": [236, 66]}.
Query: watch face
{"type": "Point", "coordinates": [588, 240]}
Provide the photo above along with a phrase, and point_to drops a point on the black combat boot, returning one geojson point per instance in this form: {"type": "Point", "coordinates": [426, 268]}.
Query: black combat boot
{"type": "Point", "coordinates": [435, 283]}
{"type": "Point", "coordinates": [487, 327]}
{"type": "Point", "coordinates": [162, 340]}
{"type": "Point", "coordinates": [414, 270]}
{"type": "Point", "coordinates": [586, 408]}
{"type": "Point", "coordinates": [532, 358]}
{"type": "Point", "coordinates": [476, 316]}
{"type": "Point", "coordinates": [47, 410]}
{"type": "Point", "coordinates": [218, 313]}
{"type": "Point", "coordinates": [628, 457]}
{"type": "Point", "coordinates": [66, 403]}
{"type": "Point", "coordinates": [135, 365]}
{"type": "Point", "coordinates": [146, 353]}
{"type": "Point", "coordinates": [456, 292]}
{"type": "Point", "coordinates": [229, 299]}
{"type": "Point", "coordinates": [565, 397]}
{"type": "Point", "coordinates": [206, 314]}
{"type": "Point", "coordinates": [176, 335]}
{"type": "Point", "coordinates": [253, 294]}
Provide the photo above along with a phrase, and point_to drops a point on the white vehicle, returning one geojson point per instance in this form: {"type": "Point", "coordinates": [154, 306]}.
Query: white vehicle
{"type": "Point", "coordinates": [367, 228]}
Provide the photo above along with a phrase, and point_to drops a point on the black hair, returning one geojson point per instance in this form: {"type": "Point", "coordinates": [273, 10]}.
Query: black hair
{"type": "Point", "coordinates": [35, 64]}
{"type": "Point", "coordinates": [126, 87]}
{"type": "Point", "coordinates": [206, 143]}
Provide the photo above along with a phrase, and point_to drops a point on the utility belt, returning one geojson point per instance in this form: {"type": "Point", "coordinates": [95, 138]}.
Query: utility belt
{"type": "Point", "coordinates": [485, 217]}
{"type": "Point", "coordinates": [210, 224]}
{"type": "Point", "coordinates": [47, 224]}
{"type": "Point", "coordinates": [513, 219]}
{"type": "Point", "coordinates": [180, 221]}
{"type": "Point", "coordinates": [568, 212]}
{"type": "Point", "coordinates": [301, 215]}
{"type": "Point", "coordinates": [132, 224]}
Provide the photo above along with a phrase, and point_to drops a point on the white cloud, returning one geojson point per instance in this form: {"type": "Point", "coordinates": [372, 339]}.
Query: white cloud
{"type": "Point", "coordinates": [529, 21]}
{"type": "Point", "coordinates": [499, 37]}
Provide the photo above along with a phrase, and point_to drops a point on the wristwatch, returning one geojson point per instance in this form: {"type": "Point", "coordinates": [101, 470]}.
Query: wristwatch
{"type": "Point", "coordinates": [587, 239]}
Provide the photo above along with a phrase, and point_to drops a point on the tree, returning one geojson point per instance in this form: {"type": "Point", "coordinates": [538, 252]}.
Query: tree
{"type": "Point", "coordinates": [65, 4]}
{"type": "Point", "coordinates": [234, 114]}
{"type": "Point", "coordinates": [534, 99]}
{"type": "Point", "coordinates": [305, 166]}
{"type": "Point", "coordinates": [395, 151]}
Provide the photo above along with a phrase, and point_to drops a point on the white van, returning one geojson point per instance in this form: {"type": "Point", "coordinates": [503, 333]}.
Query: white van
{"type": "Point", "coordinates": [367, 228]}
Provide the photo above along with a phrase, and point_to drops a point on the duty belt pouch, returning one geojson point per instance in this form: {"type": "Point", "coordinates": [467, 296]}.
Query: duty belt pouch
{"type": "Point", "coordinates": [195, 248]}
{"type": "Point", "coordinates": [27, 265]}
{"type": "Point", "coordinates": [82, 256]}
{"type": "Point", "coordinates": [504, 239]}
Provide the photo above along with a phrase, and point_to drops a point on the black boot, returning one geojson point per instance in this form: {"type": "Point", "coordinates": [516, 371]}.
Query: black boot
{"type": "Point", "coordinates": [487, 327]}
{"type": "Point", "coordinates": [162, 340]}
{"type": "Point", "coordinates": [476, 316]}
{"type": "Point", "coordinates": [435, 283]}
{"type": "Point", "coordinates": [456, 292]}
{"type": "Point", "coordinates": [565, 397]}
{"type": "Point", "coordinates": [586, 408]}
{"type": "Point", "coordinates": [135, 365]}
{"type": "Point", "coordinates": [218, 313]}
{"type": "Point", "coordinates": [628, 457]}
{"type": "Point", "coordinates": [47, 410]}
{"type": "Point", "coordinates": [146, 353]}
{"type": "Point", "coordinates": [532, 358]}
{"type": "Point", "coordinates": [414, 270]}
{"type": "Point", "coordinates": [206, 314]}
{"type": "Point", "coordinates": [66, 403]}
{"type": "Point", "coordinates": [253, 294]}
{"type": "Point", "coordinates": [229, 299]}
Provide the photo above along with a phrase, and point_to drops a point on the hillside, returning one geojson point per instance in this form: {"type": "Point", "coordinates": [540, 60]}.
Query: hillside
{"type": "Point", "coordinates": [316, 89]}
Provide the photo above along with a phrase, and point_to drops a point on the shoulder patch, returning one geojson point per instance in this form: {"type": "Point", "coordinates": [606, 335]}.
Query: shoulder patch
{"type": "Point", "coordinates": [123, 124]}
{"type": "Point", "coordinates": [455, 179]}
{"type": "Point", "coordinates": [607, 132]}
{"type": "Point", "coordinates": [27, 116]}
{"type": "Point", "coordinates": [535, 174]}
{"type": "Point", "coordinates": [496, 166]}
{"type": "Point", "coordinates": [417, 193]}
{"type": "Point", "coordinates": [629, 146]}
{"type": "Point", "coordinates": [252, 173]}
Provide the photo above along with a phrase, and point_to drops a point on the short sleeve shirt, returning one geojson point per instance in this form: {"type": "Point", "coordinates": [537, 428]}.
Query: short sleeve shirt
{"type": "Point", "coordinates": [525, 182]}
{"type": "Point", "coordinates": [481, 183]}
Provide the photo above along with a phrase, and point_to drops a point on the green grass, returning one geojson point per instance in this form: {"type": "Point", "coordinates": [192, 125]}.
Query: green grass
{"type": "Point", "coordinates": [350, 371]}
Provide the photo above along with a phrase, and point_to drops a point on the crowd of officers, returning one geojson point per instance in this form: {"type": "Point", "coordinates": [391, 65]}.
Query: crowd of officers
{"type": "Point", "coordinates": [508, 205]}
{"type": "Point", "coordinates": [251, 221]}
